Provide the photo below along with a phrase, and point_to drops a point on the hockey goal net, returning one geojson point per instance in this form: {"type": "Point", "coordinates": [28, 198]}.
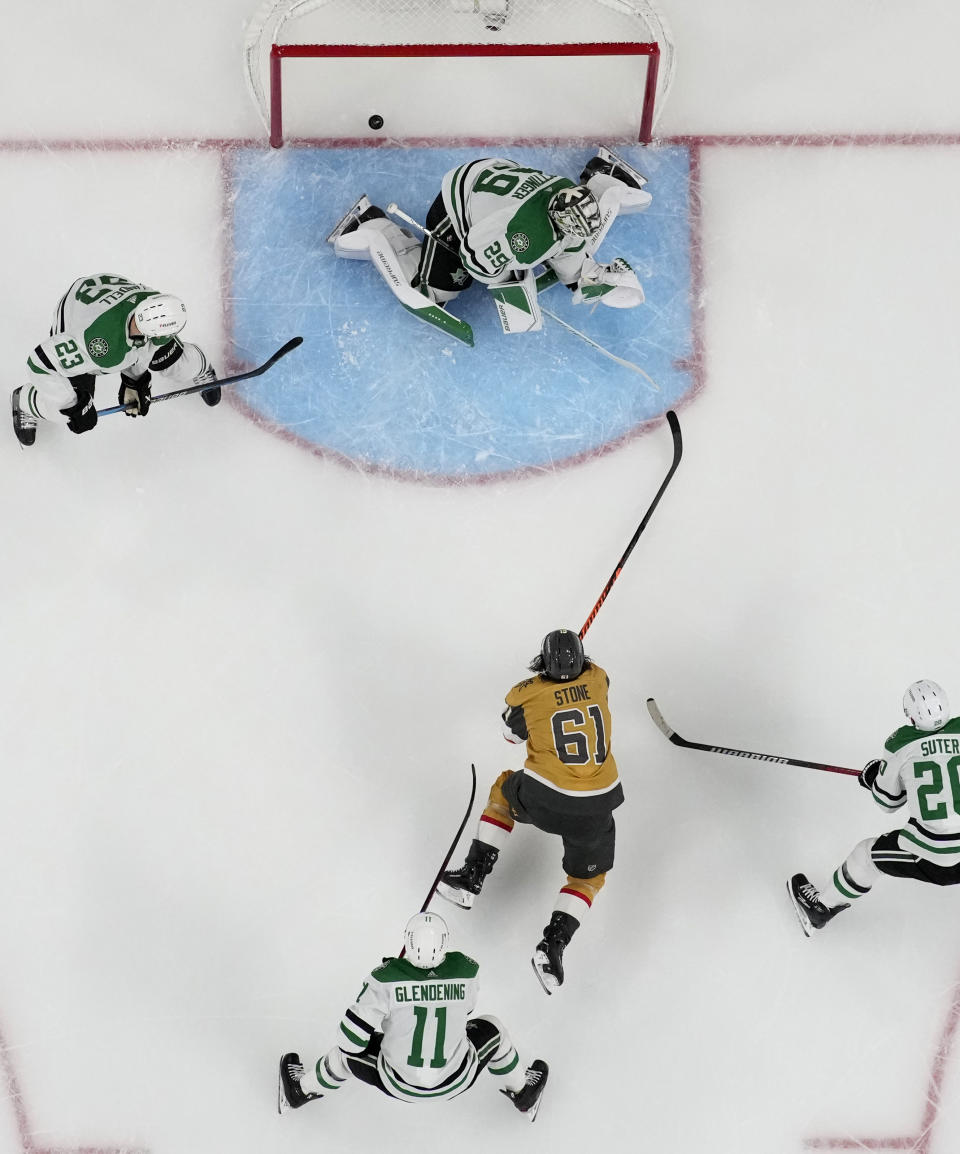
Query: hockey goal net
{"type": "Point", "coordinates": [458, 68]}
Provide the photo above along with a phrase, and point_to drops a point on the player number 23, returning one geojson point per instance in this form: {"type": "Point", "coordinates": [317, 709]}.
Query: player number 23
{"type": "Point", "coordinates": [63, 349]}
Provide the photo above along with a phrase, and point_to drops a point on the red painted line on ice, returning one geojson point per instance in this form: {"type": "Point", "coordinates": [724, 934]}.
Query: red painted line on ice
{"type": "Point", "coordinates": [14, 1096]}
{"type": "Point", "coordinates": [918, 1143]}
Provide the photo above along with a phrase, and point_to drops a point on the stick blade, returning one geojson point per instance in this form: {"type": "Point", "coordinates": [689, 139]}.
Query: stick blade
{"type": "Point", "coordinates": [674, 422]}
{"type": "Point", "coordinates": [658, 719]}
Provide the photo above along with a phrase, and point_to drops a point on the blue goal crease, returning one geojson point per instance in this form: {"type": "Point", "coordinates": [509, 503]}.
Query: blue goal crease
{"type": "Point", "coordinates": [388, 392]}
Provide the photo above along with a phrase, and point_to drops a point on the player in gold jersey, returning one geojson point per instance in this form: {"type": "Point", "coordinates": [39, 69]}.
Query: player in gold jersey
{"type": "Point", "coordinates": [569, 786]}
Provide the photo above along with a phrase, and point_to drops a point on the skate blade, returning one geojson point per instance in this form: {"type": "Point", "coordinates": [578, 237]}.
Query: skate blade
{"type": "Point", "coordinates": [801, 916]}
{"type": "Point", "coordinates": [531, 1114]}
{"type": "Point", "coordinates": [608, 154]}
{"type": "Point", "coordinates": [351, 214]}
{"type": "Point", "coordinates": [460, 898]}
{"type": "Point", "coordinates": [548, 981]}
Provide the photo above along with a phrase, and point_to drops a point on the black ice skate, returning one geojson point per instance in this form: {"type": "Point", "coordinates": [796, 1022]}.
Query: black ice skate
{"type": "Point", "coordinates": [548, 956]}
{"type": "Point", "coordinates": [354, 217]}
{"type": "Point", "coordinates": [812, 910]}
{"type": "Point", "coordinates": [527, 1100]}
{"type": "Point", "coordinates": [24, 424]}
{"type": "Point", "coordinates": [289, 1094]}
{"type": "Point", "coordinates": [462, 886]}
{"type": "Point", "coordinates": [209, 396]}
{"type": "Point", "coordinates": [612, 165]}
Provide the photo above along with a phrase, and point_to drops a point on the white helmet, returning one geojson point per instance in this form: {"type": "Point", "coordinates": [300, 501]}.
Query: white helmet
{"type": "Point", "coordinates": [575, 212]}
{"type": "Point", "coordinates": [926, 706]}
{"type": "Point", "coordinates": [426, 939]}
{"type": "Point", "coordinates": [162, 315]}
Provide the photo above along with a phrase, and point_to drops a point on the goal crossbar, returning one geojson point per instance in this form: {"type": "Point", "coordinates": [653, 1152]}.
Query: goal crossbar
{"type": "Point", "coordinates": [279, 52]}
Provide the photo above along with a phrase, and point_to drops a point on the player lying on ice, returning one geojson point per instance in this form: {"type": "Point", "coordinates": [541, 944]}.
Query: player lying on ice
{"type": "Point", "coordinates": [107, 324]}
{"type": "Point", "coordinates": [496, 221]}
{"type": "Point", "coordinates": [410, 1033]}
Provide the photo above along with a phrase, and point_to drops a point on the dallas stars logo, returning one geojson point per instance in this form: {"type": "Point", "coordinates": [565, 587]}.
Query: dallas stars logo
{"type": "Point", "coordinates": [98, 347]}
{"type": "Point", "coordinates": [519, 242]}
{"type": "Point", "coordinates": [460, 276]}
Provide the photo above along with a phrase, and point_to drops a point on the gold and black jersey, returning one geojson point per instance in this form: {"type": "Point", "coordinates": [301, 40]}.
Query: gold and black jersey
{"type": "Point", "coordinates": [566, 725]}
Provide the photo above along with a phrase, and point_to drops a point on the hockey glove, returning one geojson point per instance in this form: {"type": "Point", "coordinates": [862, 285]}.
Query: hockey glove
{"type": "Point", "coordinates": [134, 394]}
{"type": "Point", "coordinates": [613, 284]}
{"type": "Point", "coordinates": [82, 414]}
{"type": "Point", "coordinates": [868, 775]}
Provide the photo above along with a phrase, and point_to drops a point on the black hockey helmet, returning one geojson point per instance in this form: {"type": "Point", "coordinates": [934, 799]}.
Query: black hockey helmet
{"type": "Point", "coordinates": [562, 655]}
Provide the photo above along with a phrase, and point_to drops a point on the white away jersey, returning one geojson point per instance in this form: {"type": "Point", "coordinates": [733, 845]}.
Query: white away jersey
{"type": "Point", "coordinates": [922, 771]}
{"type": "Point", "coordinates": [499, 211]}
{"type": "Point", "coordinates": [422, 1015]}
{"type": "Point", "coordinates": [90, 333]}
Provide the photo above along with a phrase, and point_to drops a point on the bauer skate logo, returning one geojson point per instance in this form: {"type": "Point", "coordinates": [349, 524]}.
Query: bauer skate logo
{"type": "Point", "coordinates": [98, 347]}
{"type": "Point", "coordinates": [519, 242]}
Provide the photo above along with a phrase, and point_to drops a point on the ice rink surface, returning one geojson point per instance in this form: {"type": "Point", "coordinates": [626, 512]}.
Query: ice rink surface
{"type": "Point", "coordinates": [246, 681]}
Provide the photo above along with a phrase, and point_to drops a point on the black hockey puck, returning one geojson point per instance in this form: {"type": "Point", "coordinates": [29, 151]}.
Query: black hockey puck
{"type": "Point", "coordinates": [375, 121]}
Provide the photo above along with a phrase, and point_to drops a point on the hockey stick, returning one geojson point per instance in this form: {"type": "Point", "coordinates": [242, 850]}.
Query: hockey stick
{"type": "Point", "coordinates": [453, 846]}
{"type": "Point", "coordinates": [291, 344]}
{"type": "Point", "coordinates": [544, 281]}
{"type": "Point", "coordinates": [672, 735]}
{"type": "Point", "coordinates": [677, 454]}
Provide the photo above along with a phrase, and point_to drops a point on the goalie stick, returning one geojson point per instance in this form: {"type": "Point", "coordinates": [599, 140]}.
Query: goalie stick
{"type": "Point", "coordinates": [677, 454]}
{"type": "Point", "coordinates": [291, 344]}
{"type": "Point", "coordinates": [672, 735]}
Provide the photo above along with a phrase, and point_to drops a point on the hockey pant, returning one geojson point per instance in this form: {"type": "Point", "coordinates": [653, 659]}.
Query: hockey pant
{"type": "Point", "coordinates": [179, 363]}
{"type": "Point", "coordinates": [441, 271]}
{"type": "Point", "coordinates": [489, 1048]}
{"type": "Point", "coordinates": [893, 854]}
{"type": "Point", "coordinates": [589, 840]}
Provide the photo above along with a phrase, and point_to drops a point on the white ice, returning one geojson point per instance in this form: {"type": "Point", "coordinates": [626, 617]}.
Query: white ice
{"type": "Point", "coordinates": [244, 685]}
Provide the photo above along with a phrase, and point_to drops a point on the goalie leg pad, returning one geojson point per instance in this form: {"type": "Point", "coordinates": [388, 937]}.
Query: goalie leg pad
{"type": "Point", "coordinates": [375, 240]}
{"type": "Point", "coordinates": [609, 162]}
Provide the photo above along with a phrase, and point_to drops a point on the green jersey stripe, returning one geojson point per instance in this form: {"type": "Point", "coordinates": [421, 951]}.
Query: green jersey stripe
{"type": "Point", "coordinates": [352, 1037]}
{"type": "Point", "coordinates": [437, 1092]}
{"type": "Point", "coordinates": [941, 849]}
{"type": "Point", "coordinates": [505, 1069]}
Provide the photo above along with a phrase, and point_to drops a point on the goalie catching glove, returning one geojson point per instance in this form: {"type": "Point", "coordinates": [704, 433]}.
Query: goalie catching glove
{"type": "Point", "coordinates": [613, 284]}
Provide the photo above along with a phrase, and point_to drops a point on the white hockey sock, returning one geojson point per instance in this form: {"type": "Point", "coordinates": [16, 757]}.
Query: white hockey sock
{"type": "Point", "coordinates": [854, 877]}
{"type": "Point", "coordinates": [492, 834]}
{"type": "Point", "coordinates": [329, 1074]}
{"type": "Point", "coordinates": [505, 1065]}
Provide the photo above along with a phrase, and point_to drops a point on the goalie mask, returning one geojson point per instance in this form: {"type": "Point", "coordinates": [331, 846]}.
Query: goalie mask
{"type": "Point", "coordinates": [425, 940]}
{"type": "Point", "coordinates": [575, 212]}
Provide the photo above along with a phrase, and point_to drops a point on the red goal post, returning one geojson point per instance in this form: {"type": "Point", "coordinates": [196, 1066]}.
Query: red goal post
{"type": "Point", "coordinates": [582, 50]}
